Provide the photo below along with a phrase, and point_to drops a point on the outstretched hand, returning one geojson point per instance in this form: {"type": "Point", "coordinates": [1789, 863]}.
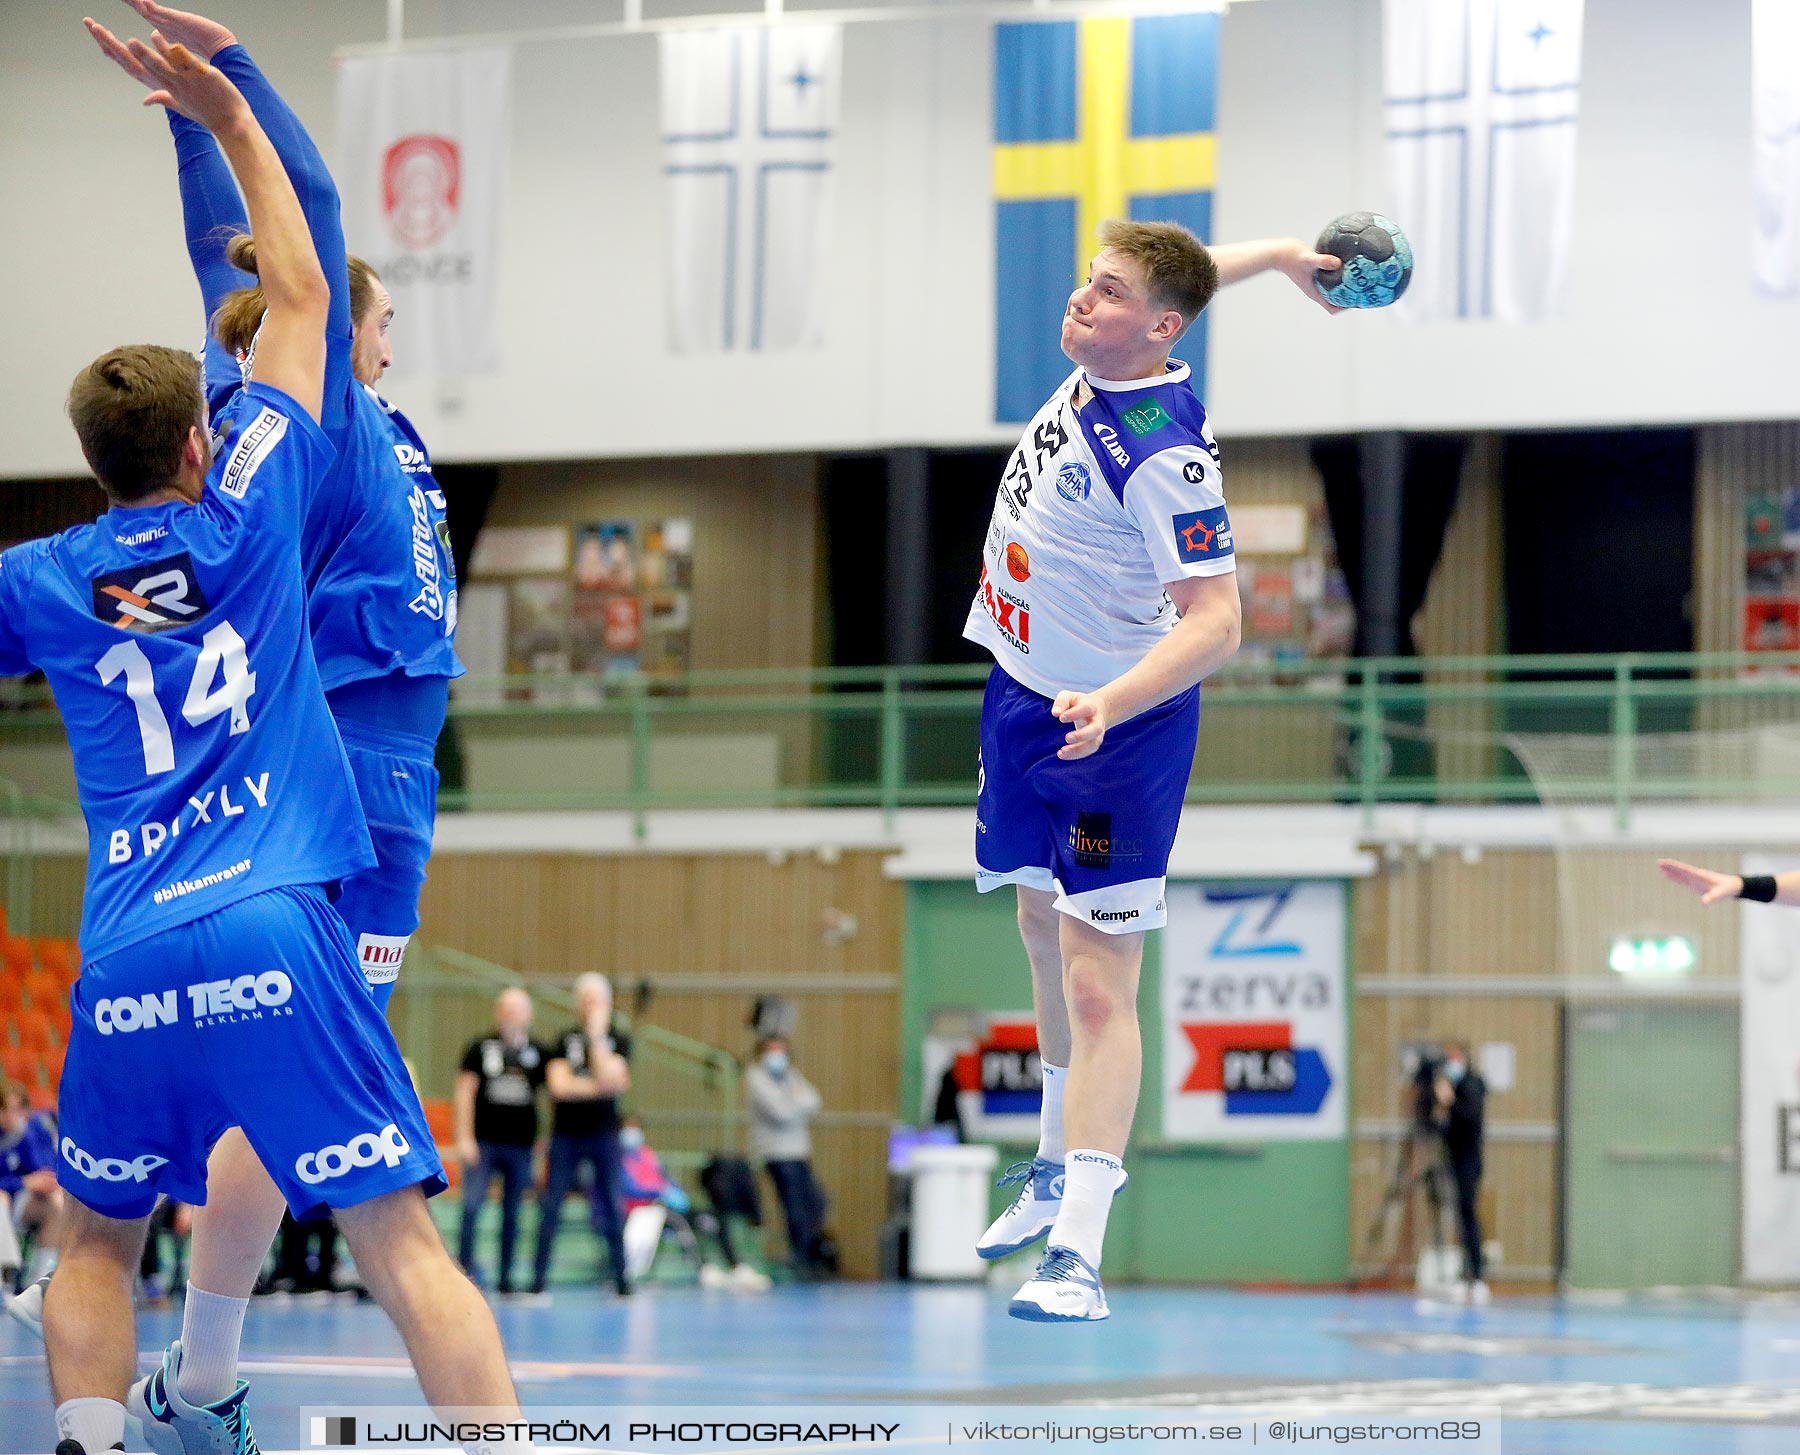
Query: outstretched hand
{"type": "Point", "coordinates": [1707, 883]}
{"type": "Point", "coordinates": [1301, 264]}
{"type": "Point", "coordinates": [1085, 712]}
{"type": "Point", "coordinates": [175, 76]}
{"type": "Point", "coordinates": [205, 38]}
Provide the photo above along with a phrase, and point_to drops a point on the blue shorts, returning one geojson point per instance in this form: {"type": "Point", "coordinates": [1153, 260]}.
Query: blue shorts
{"type": "Point", "coordinates": [1097, 831]}
{"type": "Point", "coordinates": [256, 1017]}
{"type": "Point", "coordinates": [397, 784]}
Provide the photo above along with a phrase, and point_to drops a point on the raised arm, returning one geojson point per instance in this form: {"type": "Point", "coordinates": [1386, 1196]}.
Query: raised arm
{"type": "Point", "coordinates": [211, 214]}
{"type": "Point", "coordinates": [291, 353]}
{"type": "Point", "coordinates": [306, 169]}
{"type": "Point", "coordinates": [1288, 255]}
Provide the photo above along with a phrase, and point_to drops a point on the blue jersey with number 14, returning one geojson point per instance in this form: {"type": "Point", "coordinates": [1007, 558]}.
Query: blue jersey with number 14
{"type": "Point", "coordinates": [175, 639]}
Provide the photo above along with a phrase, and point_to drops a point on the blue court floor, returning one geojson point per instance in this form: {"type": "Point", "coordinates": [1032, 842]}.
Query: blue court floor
{"type": "Point", "coordinates": [1644, 1379]}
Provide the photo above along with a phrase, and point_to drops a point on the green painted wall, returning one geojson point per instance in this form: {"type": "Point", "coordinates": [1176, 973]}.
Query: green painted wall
{"type": "Point", "coordinates": [1245, 1212]}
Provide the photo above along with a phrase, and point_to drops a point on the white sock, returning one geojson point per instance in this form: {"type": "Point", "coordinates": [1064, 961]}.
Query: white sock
{"type": "Point", "coordinates": [1050, 1128]}
{"type": "Point", "coordinates": [1092, 1178]}
{"type": "Point", "coordinates": [212, 1327]}
{"type": "Point", "coordinates": [43, 1260]}
{"type": "Point", "coordinates": [97, 1424]}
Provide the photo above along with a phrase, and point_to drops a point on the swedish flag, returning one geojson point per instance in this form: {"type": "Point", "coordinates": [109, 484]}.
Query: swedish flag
{"type": "Point", "coordinates": [1096, 118]}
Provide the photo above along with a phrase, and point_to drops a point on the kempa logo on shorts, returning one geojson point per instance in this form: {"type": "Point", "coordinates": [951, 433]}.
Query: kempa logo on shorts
{"type": "Point", "coordinates": [380, 957]}
{"type": "Point", "coordinates": [260, 436]}
{"type": "Point", "coordinates": [150, 598]}
{"type": "Point", "coordinates": [110, 1169]}
{"type": "Point", "coordinates": [1112, 916]}
{"type": "Point", "coordinates": [387, 1146]}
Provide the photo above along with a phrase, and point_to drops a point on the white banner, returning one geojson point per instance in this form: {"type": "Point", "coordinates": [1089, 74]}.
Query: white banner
{"type": "Point", "coordinates": [1254, 1017]}
{"type": "Point", "coordinates": [749, 118]}
{"type": "Point", "coordinates": [1769, 951]}
{"type": "Point", "coordinates": [1775, 116]}
{"type": "Point", "coordinates": [1481, 103]}
{"type": "Point", "coordinates": [422, 144]}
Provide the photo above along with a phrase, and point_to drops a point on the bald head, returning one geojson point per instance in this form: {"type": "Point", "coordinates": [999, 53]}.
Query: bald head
{"type": "Point", "coordinates": [513, 1011]}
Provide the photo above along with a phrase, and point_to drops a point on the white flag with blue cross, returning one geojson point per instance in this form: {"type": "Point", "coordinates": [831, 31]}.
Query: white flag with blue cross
{"type": "Point", "coordinates": [749, 119]}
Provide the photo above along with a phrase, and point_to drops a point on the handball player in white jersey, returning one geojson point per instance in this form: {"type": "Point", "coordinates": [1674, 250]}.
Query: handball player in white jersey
{"type": "Point", "coordinates": [1108, 591]}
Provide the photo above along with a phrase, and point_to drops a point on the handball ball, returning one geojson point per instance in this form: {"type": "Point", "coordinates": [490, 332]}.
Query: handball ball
{"type": "Point", "coordinates": [1377, 260]}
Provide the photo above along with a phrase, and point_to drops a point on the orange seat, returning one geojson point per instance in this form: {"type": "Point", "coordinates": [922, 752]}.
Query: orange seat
{"type": "Point", "coordinates": [19, 1064]}
{"type": "Point", "coordinates": [44, 990]}
{"type": "Point", "coordinates": [33, 1030]}
{"type": "Point", "coordinates": [58, 957]}
{"type": "Point", "coordinates": [43, 1098]}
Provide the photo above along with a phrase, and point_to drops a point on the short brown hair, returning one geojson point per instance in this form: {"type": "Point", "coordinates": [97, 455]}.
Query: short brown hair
{"type": "Point", "coordinates": [1177, 267]}
{"type": "Point", "coordinates": [13, 1095]}
{"type": "Point", "coordinates": [238, 317]}
{"type": "Point", "coordinates": [132, 409]}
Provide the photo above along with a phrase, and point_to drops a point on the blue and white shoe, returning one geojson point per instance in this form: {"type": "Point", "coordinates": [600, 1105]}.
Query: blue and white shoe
{"type": "Point", "coordinates": [172, 1426]}
{"type": "Point", "coordinates": [28, 1307]}
{"type": "Point", "coordinates": [1064, 1290]}
{"type": "Point", "coordinates": [1033, 1211]}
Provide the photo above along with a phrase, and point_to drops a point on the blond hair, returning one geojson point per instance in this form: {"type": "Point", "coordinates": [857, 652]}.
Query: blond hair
{"type": "Point", "coordinates": [238, 317]}
{"type": "Point", "coordinates": [1178, 270]}
{"type": "Point", "coordinates": [132, 409]}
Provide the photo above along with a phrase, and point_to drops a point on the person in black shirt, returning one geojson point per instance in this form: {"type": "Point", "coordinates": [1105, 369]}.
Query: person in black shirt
{"type": "Point", "coordinates": [496, 1124]}
{"type": "Point", "coordinates": [1461, 1111]}
{"type": "Point", "coordinates": [587, 1074]}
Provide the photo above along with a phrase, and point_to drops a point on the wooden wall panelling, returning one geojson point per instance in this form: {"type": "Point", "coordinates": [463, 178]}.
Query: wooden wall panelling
{"type": "Point", "coordinates": [1462, 614]}
{"type": "Point", "coordinates": [710, 933]}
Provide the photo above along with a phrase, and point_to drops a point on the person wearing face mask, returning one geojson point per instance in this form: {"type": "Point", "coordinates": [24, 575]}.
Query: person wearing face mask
{"type": "Point", "coordinates": [1461, 1097]}
{"type": "Point", "coordinates": [782, 1104]}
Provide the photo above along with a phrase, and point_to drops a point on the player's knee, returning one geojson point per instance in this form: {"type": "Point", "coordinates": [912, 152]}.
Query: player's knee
{"type": "Point", "coordinates": [1097, 994]}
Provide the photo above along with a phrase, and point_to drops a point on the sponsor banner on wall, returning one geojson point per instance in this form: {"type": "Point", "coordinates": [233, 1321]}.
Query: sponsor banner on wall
{"type": "Point", "coordinates": [1769, 953]}
{"type": "Point", "coordinates": [422, 143]}
{"type": "Point", "coordinates": [1253, 999]}
{"type": "Point", "coordinates": [997, 1076]}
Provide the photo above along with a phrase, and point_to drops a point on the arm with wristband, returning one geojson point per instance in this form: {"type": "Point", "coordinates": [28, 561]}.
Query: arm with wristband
{"type": "Point", "coordinates": [1712, 886]}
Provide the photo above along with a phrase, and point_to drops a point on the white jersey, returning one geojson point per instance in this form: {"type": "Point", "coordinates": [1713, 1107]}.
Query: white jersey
{"type": "Point", "coordinates": [1097, 509]}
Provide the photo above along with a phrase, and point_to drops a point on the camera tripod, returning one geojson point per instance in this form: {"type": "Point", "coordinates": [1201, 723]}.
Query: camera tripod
{"type": "Point", "coordinates": [1419, 1163]}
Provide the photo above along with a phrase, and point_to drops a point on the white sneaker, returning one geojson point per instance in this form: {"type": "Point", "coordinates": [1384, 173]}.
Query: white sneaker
{"type": "Point", "coordinates": [1479, 1294]}
{"type": "Point", "coordinates": [172, 1426]}
{"type": "Point", "coordinates": [1064, 1290]}
{"type": "Point", "coordinates": [713, 1276]}
{"type": "Point", "coordinates": [746, 1279]}
{"type": "Point", "coordinates": [1033, 1211]}
{"type": "Point", "coordinates": [28, 1307]}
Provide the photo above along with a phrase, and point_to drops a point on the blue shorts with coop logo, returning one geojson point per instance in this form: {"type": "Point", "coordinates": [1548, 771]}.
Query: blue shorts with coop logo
{"type": "Point", "coordinates": [255, 1016]}
{"type": "Point", "coordinates": [1097, 831]}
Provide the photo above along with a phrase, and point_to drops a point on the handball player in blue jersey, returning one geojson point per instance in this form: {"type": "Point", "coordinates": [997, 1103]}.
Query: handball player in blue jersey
{"type": "Point", "coordinates": [1108, 591]}
{"type": "Point", "coordinates": [381, 592]}
{"type": "Point", "coordinates": [218, 987]}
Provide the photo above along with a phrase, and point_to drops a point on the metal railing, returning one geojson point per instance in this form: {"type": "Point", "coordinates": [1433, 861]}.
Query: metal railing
{"type": "Point", "coordinates": [1360, 731]}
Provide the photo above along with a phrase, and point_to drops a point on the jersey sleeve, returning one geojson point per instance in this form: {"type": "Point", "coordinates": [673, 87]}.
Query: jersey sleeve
{"type": "Point", "coordinates": [318, 196]}
{"type": "Point", "coordinates": [1177, 498]}
{"type": "Point", "coordinates": [471, 1061]}
{"type": "Point", "coordinates": [271, 458]}
{"type": "Point", "coordinates": [15, 585]}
